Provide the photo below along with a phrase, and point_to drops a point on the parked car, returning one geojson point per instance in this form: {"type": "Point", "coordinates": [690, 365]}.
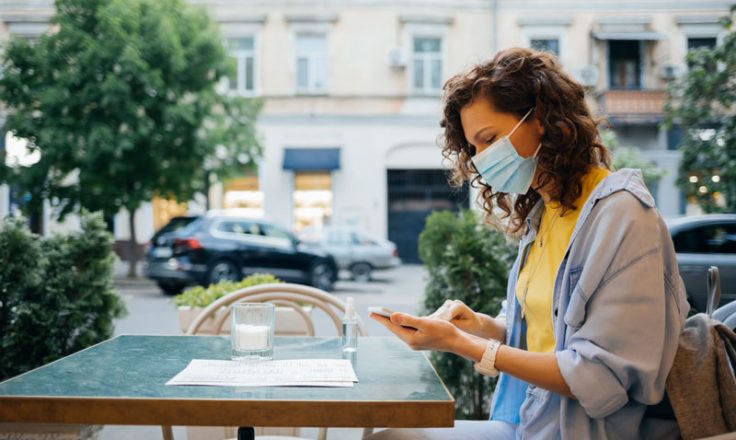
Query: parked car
{"type": "Point", "coordinates": [701, 242]}
{"type": "Point", "coordinates": [355, 251]}
{"type": "Point", "coordinates": [221, 246]}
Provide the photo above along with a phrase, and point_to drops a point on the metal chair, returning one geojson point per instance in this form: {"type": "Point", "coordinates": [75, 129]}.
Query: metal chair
{"type": "Point", "coordinates": [279, 294]}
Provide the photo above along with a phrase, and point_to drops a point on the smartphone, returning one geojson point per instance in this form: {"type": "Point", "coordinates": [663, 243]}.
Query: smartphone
{"type": "Point", "coordinates": [383, 311]}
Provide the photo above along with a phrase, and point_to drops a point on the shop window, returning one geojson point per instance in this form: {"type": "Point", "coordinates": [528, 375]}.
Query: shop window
{"type": "Point", "coordinates": [244, 194]}
{"type": "Point", "coordinates": [312, 199]}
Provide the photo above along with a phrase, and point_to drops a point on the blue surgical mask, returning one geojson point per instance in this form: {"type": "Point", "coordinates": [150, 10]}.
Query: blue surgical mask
{"type": "Point", "coordinates": [501, 167]}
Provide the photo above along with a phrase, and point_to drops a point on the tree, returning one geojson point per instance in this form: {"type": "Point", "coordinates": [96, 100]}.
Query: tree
{"type": "Point", "coordinates": [122, 103]}
{"type": "Point", "coordinates": [702, 103]}
{"type": "Point", "coordinates": [630, 157]}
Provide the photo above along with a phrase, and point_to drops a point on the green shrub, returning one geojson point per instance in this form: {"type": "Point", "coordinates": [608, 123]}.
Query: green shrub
{"type": "Point", "coordinates": [203, 296]}
{"type": "Point", "coordinates": [56, 293]}
{"type": "Point", "coordinates": [470, 262]}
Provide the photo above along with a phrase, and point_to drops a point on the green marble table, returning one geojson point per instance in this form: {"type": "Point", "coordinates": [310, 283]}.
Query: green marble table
{"type": "Point", "coordinates": [121, 381]}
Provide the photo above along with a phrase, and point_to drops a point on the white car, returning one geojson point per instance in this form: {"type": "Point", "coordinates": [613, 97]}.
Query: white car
{"type": "Point", "coordinates": [353, 250]}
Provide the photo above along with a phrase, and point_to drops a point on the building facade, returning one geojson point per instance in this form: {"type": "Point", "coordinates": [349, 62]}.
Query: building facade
{"type": "Point", "coordinates": [352, 94]}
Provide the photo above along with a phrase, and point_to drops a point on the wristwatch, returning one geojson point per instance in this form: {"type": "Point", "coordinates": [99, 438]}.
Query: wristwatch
{"type": "Point", "coordinates": [487, 364]}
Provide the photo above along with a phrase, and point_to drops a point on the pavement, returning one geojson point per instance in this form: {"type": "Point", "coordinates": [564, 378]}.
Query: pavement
{"type": "Point", "coordinates": [151, 312]}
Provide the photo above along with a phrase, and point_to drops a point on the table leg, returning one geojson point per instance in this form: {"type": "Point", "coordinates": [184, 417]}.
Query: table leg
{"type": "Point", "coordinates": [167, 432]}
{"type": "Point", "coordinates": [246, 433]}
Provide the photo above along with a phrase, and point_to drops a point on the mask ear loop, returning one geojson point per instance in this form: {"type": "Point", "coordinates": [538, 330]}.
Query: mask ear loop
{"type": "Point", "coordinates": [539, 147]}
{"type": "Point", "coordinates": [519, 123]}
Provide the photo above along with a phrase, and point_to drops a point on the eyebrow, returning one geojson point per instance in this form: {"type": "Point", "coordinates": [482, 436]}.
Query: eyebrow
{"type": "Point", "coordinates": [477, 137]}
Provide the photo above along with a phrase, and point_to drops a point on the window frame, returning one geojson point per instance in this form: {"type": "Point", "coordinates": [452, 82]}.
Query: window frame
{"type": "Point", "coordinates": [312, 57]}
{"type": "Point", "coordinates": [427, 61]}
{"type": "Point", "coordinates": [548, 32]}
{"type": "Point", "coordinates": [642, 67]}
{"type": "Point", "coordinates": [240, 56]}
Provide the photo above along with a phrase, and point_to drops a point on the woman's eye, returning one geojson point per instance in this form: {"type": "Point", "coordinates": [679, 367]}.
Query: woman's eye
{"type": "Point", "coordinates": [490, 141]}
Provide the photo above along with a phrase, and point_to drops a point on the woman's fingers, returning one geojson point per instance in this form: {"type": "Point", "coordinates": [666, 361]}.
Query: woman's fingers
{"type": "Point", "coordinates": [443, 311]}
{"type": "Point", "coordinates": [405, 333]}
{"type": "Point", "coordinates": [407, 320]}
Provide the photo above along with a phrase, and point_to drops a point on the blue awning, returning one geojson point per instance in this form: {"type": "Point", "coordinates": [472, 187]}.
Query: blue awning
{"type": "Point", "coordinates": [312, 159]}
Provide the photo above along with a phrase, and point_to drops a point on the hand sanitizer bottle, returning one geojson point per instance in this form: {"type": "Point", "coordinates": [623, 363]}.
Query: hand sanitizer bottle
{"type": "Point", "coordinates": [350, 328]}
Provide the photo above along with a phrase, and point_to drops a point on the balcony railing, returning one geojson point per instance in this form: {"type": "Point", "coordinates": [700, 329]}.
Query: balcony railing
{"type": "Point", "coordinates": [633, 105]}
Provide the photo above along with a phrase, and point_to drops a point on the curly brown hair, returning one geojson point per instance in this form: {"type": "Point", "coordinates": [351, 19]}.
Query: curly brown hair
{"type": "Point", "coordinates": [514, 81]}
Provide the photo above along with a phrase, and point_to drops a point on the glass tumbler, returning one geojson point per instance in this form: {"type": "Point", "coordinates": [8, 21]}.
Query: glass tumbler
{"type": "Point", "coordinates": [252, 331]}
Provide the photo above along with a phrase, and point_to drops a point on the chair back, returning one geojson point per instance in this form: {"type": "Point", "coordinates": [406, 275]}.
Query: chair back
{"type": "Point", "coordinates": [294, 296]}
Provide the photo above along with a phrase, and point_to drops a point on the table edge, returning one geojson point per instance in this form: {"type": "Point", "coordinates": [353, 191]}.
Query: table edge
{"type": "Point", "coordinates": [232, 412]}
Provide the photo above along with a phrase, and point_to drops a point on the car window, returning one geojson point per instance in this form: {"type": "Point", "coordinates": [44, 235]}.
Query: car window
{"type": "Point", "coordinates": [176, 224]}
{"type": "Point", "coordinates": [363, 240]}
{"type": "Point", "coordinates": [337, 237]}
{"type": "Point", "coordinates": [239, 227]}
{"type": "Point", "coordinates": [708, 239]}
{"type": "Point", "coordinates": [276, 232]}
{"type": "Point", "coordinates": [191, 227]}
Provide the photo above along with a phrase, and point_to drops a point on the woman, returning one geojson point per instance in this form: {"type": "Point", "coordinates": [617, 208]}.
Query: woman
{"type": "Point", "coordinates": [595, 303]}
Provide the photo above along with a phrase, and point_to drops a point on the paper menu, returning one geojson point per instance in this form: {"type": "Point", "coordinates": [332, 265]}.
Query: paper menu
{"type": "Point", "coordinates": [291, 372]}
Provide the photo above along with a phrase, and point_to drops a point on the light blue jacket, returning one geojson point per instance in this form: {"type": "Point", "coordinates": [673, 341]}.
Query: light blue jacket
{"type": "Point", "coordinates": [618, 307]}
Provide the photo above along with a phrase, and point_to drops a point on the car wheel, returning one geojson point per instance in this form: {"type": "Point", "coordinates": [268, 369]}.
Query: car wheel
{"type": "Point", "coordinates": [321, 276]}
{"type": "Point", "coordinates": [224, 270]}
{"type": "Point", "coordinates": [171, 287]}
{"type": "Point", "coordinates": [361, 272]}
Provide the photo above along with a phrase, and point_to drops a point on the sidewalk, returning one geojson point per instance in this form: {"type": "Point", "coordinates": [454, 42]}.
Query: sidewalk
{"type": "Point", "coordinates": [122, 281]}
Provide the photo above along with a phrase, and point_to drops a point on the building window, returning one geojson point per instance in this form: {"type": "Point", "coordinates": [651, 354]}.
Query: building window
{"type": "Point", "coordinates": [695, 43]}
{"type": "Point", "coordinates": [243, 194]}
{"type": "Point", "coordinates": [427, 66]}
{"type": "Point", "coordinates": [311, 63]}
{"type": "Point", "coordinates": [624, 64]}
{"type": "Point", "coordinates": [549, 45]}
{"type": "Point", "coordinates": [242, 52]}
{"type": "Point", "coordinates": [701, 42]}
{"type": "Point", "coordinates": [312, 199]}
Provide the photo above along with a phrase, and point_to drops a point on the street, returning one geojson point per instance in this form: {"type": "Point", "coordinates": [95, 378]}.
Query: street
{"type": "Point", "coordinates": [153, 313]}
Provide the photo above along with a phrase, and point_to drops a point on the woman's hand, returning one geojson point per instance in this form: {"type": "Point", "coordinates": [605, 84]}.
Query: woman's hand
{"type": "Point", "coordinates": [422, 333]}
{"type": "Point", "coordinates": [461, 316]}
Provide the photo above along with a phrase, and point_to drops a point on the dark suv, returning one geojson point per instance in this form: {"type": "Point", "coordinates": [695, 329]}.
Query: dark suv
{"type": "Point", "coordinates": [700, 242]}
{"type": "Point", "coordinates": [215, 247]}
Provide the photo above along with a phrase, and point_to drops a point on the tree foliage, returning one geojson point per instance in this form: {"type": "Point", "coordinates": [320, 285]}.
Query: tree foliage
{"type": "Point", "coordinates": [702, 103]}
{"type": "Point", "coordinates": [56, 294]}
{"type": "Point", "coordinates": [630, 157]}
{"type": "Point", "coordinates": [470, 262]}
{"type": "Point", "coordinates": [121, 100]}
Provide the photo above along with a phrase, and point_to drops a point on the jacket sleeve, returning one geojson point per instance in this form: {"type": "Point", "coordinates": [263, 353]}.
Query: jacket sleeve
{"type": "Point", "coordinates": [616, 328]}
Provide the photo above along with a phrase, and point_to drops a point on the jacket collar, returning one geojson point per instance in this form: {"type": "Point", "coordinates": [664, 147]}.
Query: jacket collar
{"type": "Point", "coordinates": [625, 179]}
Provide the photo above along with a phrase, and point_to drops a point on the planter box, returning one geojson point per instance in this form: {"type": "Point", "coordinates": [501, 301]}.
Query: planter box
{"type": "Point", "coordinates": [288, 321]}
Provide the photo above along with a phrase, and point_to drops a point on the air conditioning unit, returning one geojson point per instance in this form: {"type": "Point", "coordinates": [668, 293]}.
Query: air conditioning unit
{"type": "Point", "coordinates": [669, 72]}
{"type": "Point", "coordinates": [588, 76]}
{"type": "Point", "coordinates": [396, 58]}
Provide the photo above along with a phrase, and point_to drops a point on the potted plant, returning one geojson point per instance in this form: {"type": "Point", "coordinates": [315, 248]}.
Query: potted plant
{"type": "Point", "coordinates": [192, 301]}
{"type": "Point", "coordinates": [470, 262]}
{"type": "Point", "coordinates": [56, 298]}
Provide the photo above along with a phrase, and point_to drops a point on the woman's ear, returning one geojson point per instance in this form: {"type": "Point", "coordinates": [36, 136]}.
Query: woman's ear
{"type": "Point", "coordinates": [539, 127]}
